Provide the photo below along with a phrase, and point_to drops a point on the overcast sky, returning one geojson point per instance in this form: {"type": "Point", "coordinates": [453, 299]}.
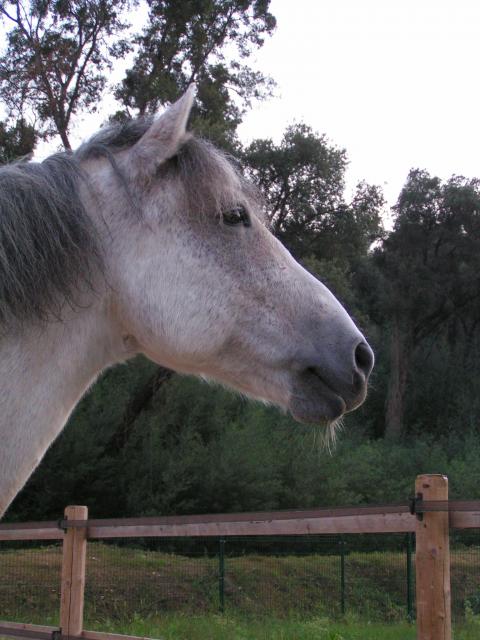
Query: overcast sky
{"type": "Point", "coordinates": [395, 82]}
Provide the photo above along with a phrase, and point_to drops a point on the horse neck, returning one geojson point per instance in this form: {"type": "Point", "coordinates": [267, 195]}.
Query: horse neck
{"type": "Point", "coordinates": [44, 371]}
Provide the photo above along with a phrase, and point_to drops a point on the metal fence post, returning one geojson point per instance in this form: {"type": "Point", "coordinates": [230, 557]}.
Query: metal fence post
{"type": "Point", "coordinates": [221, 575]}
{"type": "Point", "coordinates": [410, 604]}
{"type": "Point", "coordinates": [342, 544]}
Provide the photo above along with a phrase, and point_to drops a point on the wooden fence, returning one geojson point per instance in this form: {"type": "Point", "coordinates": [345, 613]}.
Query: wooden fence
{"type": "Point", "coordinates": [430, 515]}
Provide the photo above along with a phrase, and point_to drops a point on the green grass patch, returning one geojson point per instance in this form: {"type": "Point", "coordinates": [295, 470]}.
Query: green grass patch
{"type": "Point", "coordinates": [216, 627]}
{"type": "Point", "coordinates": [226, 627]}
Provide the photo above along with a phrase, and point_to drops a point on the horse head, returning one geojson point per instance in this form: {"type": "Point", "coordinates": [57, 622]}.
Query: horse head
{"type": "Point", "coordinates": [149, 240]}
{"type": "Point", "coordinates": [200, 285]}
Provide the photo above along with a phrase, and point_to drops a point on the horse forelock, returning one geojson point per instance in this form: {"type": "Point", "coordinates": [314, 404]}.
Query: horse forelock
{"type": "Point", "coordinates": [213, 181]}
{"type": "Point", "coordinates": [49, 246]}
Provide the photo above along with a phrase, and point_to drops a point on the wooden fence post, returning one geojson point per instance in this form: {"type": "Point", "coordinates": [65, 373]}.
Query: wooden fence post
{"type": "Point", "coordinates": [432, 563]}
{"type": "Point", "coordinates": [73, 574]}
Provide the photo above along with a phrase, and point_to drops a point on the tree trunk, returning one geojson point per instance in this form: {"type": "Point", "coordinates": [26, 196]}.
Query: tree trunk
{"type": "Point", "coordinates": [62, 132]}
{"type": "Point", "coordinates": [400, 347]}
{"type": "Point", "coordinates": [140, 401]}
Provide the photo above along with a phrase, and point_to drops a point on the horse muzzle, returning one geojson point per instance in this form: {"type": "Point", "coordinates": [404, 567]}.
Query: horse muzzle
{"type": "Point", "coordinates": [322, 392]}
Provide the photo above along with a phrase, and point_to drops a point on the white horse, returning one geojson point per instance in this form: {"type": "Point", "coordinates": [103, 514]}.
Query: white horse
{"type": "Point", "coordinates": [148, 240]}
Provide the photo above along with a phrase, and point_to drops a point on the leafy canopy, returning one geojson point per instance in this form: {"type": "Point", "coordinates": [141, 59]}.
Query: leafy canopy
{"type": "Point", "coordinates": [206, 42]}
{"type": "Point", "coordinates": [303, 178]}
{"type": "Point", "coordinates": [56, 59]}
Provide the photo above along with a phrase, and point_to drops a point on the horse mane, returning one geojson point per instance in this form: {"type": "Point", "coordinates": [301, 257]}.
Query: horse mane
{"type": "Point", "coordinates": [114, 137]}
{"type": "Point", "coordinates": [49, 247]}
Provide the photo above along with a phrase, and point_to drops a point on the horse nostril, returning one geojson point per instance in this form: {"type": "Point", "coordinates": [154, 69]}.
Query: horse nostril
{"type": "Point", "coordinates": [364, 359]}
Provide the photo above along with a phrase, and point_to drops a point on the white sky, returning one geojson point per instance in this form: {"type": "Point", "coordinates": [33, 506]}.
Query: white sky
{"type": "Point", "coordinates": [395, 82]}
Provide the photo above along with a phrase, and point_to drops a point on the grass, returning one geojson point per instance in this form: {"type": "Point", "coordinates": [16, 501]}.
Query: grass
{"type": "Point", "coordinates": [279, 597]}
{"type": "Point", "coordinates": [217, 627]}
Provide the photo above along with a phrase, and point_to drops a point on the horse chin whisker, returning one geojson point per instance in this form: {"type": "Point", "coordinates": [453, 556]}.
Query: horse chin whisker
{"type": "Point", "coordinates": [325, 436]}
{"type": "Point", "coordinates": [330, 434]}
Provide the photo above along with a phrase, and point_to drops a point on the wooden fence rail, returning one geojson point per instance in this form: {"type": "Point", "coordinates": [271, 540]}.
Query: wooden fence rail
{"type": "Point", "coordinates": [430, 515]}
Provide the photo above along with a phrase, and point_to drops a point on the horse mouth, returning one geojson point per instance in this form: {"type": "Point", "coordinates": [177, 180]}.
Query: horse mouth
{"type": "Point", "coordinates": [314, 401]}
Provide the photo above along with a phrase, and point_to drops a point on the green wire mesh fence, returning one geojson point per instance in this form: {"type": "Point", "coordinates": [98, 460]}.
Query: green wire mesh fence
{"type": "Point", "coordinates": [30, 581]}
{"type": "Point", "coordinates": [368, 575]}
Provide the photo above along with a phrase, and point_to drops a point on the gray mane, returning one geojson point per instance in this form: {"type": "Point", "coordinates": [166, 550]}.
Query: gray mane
{"type": "Point", "coordinates": [114, 137]}
{"type": "Point", "coordinates": [47, 242]}
{"type": "Point", "coordinates": [49, 248]}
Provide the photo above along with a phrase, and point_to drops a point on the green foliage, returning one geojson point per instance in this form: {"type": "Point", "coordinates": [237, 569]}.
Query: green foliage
{"type": "Point", "coordinates": [58, 55]}
{"type": "Point", "coordinates": [428, 281]}
{"type": "Point", "coordinates": [433, 254]}
{"type": "Point", "coordinates": [303, 180]}
{"type": "Point", "coordinates": [197, 449]}
{"type": "Point", "coordinates": [206, 42]}
{"type": "Point", "coordinates": [56, 58]}
{"type": "Point", "coordinates": [16, 141]}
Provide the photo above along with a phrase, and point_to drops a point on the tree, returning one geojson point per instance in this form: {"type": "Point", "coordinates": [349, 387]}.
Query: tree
{"type": "Point", "coordinates": [201, 41]}
{"type": "Point", "coordinates": [430, 265]}
{"type": "Point", "coordinates": [16, 141]}
{"type": "Point", "coordinates": [303, 180]}
{"type": "Point", "coordinates": [57, 56]}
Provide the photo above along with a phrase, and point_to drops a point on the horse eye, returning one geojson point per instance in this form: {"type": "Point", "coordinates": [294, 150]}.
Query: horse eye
{"type": "Point", "coordinates": [236, 215]}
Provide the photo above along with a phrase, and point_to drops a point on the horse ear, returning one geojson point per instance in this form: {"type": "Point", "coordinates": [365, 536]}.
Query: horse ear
{"type": "Point", "coordinates": [165, 136]}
